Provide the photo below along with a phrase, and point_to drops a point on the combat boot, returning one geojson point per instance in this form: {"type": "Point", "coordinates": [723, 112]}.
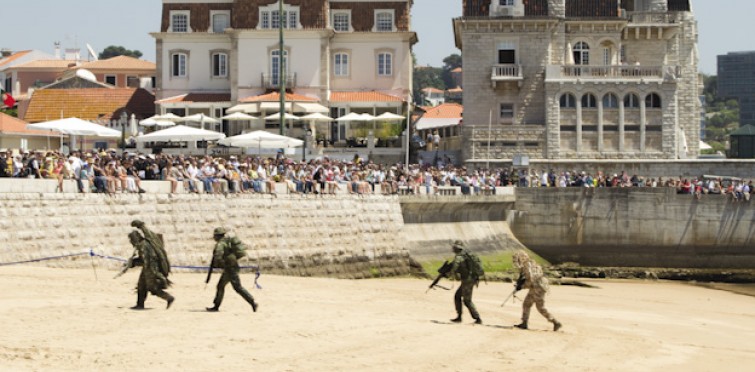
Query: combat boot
{"type": "Point", "coordinates": [478, 321]}
{"type": "Point", "coordinates": [170, 302]}
{"type": "Point", "coordinates": [522, 325]}
{"type": "Point", "coordinates": [255, 305]}
{"type": "Point", "coordinates": [137, 307]}
{"type": "Point", "coordinates": [556, 325]}
{"type": "Point", "coordinates": [212, 309]}
{"type": "Point", "coordinates": [457, 319]}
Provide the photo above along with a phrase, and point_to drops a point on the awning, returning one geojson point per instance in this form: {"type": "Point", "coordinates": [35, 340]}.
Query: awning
{"type": "Point", "coordinates": [274, 106]}
{"type": "Point", "coordinates": [423, 124]}
{"type": "Point", "coordinates": [247, 108]}
{"type": "Point", "coordinates": [310, 108]}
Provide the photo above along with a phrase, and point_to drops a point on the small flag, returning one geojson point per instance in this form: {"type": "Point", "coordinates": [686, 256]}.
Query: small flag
{"type": "Point", "coordinates": [7, 99]}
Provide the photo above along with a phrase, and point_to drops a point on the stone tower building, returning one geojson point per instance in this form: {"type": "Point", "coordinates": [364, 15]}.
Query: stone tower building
{"type": "Point", "coordinates": [579, 79]}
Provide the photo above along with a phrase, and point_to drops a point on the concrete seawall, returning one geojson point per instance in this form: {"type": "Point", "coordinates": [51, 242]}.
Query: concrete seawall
{"type": "Point", "coordinates": [635, 227]}
{"type": "Point", "coordinates": [344, 236]}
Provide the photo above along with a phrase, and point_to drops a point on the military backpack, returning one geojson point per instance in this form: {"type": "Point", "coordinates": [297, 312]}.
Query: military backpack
{"type": "Point", "coordinates": [474, 265]}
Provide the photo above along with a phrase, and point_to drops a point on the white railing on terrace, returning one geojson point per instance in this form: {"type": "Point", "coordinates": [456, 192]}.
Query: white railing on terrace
{"type": "Point", "coordinates": [506, 72]}
{"type": "Point", "coordinates": [651, 18]}
{"type": "Point", "coordinates": [623, 72]}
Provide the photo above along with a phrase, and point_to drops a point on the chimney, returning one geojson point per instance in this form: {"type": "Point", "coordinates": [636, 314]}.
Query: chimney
{"type": "Point", "coordinates": [5, 52]}
{"type": "Point", "coordinates": [57, 50]}
{"type": "Point", "coordinates": [557, 8]}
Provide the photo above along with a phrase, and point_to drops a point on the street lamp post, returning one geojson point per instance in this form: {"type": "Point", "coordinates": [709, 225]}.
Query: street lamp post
{"type": "Point", "coordinates": [281, 75]}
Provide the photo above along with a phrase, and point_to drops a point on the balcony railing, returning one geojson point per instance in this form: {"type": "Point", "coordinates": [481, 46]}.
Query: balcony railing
{"type": "Point", "coordinates": [623, 72]}
{"type": "Point", "coordinates": [507, 72]}
{"type": "Point", "coordinates": [651, 18]}
{"type": "Point", "coordinates": [270, 81]}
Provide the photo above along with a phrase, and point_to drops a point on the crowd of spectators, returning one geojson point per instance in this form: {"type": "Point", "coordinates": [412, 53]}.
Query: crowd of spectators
{"type": "Point", "coordinates": [110, 172]}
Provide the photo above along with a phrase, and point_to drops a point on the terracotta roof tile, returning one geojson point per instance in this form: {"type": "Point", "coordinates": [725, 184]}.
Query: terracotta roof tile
{"type": "Point", "coordinates": [45, 63]}
{"type": "Point", "coordinates": [275, 96]}
{"type": "Point", "coordinates": [198, 97]}
{"type": "Point", "coordinates": [119, 63]}
{"type": "Point", "coordinates": [363, 97]}
{"type": "Point", "coordinates": [455, 90]}
{"type": "Point", "coordinates": [11, 125]}
{"type": "Point", "coordinates": [7, 60]}
{"type": "Point", "coordinates": [88, 104]}
{"type": "Point", "coordinates": [444, 111]}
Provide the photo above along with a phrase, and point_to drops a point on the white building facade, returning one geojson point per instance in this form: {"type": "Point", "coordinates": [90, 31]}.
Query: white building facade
{"type": "Point", "coordinates": [579, 79]}
{"type": "Point", "coordinates": [226, 53]}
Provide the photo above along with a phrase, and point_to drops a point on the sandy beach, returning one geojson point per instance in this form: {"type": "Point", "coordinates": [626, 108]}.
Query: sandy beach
{"type": "Point", "coordinates": [65, 320]}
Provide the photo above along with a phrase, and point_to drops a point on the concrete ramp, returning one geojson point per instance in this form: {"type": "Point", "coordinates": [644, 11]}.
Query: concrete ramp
{"type": "Point", "coordinates": [431, 226]}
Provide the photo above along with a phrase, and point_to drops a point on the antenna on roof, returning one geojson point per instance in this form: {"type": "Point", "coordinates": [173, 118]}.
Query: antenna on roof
{"type": "Point", "coordinates": [92, 53]}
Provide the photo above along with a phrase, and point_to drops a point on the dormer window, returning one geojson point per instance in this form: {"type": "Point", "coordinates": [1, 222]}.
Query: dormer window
{"type": "Point", "coordinates": [341, 20]}
{"type": "Point", "coordinates": [221, 19]}
{"type": "Point", "coordinates": [270, 17]}
{"type": "Point", "coordinates": [179, 21]}
{"type": "Point", "coordinates": [384, 20]}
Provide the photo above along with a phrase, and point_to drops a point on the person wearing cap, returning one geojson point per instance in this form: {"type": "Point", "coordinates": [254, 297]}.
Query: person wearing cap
{"type": "Point", "coordinates": [228, 250]}
{"type": "Point", "coordinates": [461, 269]}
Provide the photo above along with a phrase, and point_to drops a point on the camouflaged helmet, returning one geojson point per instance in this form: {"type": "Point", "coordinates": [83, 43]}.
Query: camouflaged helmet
{"type": "Point", "coordinates": [458, 244]}
{"type": "Point", "coordinates": [219, 231]}
{"type": "Point", "coordinates": [520, 258]}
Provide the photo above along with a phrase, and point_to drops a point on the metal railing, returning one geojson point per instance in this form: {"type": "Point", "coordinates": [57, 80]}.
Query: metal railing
{"type": "Point", "coordinates": [273, 81]}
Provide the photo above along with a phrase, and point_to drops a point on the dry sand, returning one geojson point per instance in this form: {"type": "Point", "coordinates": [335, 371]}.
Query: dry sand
{"type": "Point", "coordinates": [64, 320]}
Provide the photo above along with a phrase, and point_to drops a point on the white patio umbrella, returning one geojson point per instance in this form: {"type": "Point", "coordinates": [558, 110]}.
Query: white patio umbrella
{"type": "Point", "coordinates": [314, 118]}
{"type": "Point", "coordinates": [352, 116]}
{"type": "Point", "coordinates": [181, 133]}
{"type": "Point", "coordinates": [76, 127]}
{"type": "Point", "coordinates": [169, 116]}
{"type": "Point", "coordinates": [286, 116]}
{"type": "Point", "coordinates": [389, 116]}
{"type": "Point", "coordinates": [261, 139]}
{"type": "Point", "coordinates": [239, 116]}
{"type": "Point", "coordinates": [151, 122]}
{"type": "Point", "coordinates": [132, 125]}
{"type": "Point", "coordinates": [201, 119]}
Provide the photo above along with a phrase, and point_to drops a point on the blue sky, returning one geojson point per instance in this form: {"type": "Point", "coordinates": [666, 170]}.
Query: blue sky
{"type": "Point", "coordinates": [37, 24]}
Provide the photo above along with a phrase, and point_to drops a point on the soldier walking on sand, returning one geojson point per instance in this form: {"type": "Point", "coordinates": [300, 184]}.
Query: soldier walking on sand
{"type": "Point", "coordinates": [531, 277]}
{"type": "Point", "coordinates": [461, 269]}
{"type": "Point", "coordinates": [149, 251]}
{"type": "Point", "coordinates": [228, 250]}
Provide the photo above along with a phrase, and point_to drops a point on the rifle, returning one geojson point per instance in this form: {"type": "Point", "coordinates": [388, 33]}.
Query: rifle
{"type": "Point", "coordinates": [133, 261]}
{"type": "Point", "coordinates": [442, 273]}
{"type": "Point", "coordinates": [517, 287]}
{"type": "Point", "coordinates": [513, 293]}
{"type": "Point", "coordinates": [209, 271]}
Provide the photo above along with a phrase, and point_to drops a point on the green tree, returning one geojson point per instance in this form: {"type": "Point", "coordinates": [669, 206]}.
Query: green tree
{"type": "Point", "coordinates": [449, 63]}
{"type": "Point", "coordinates": [114, 51]}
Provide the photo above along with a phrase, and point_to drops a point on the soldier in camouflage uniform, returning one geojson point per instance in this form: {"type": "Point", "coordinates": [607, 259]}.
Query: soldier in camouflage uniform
{"type": "Point", "coordinates": [149, 250]}
{"type": "Point", "coordinates": [460, 269]}
{"type": "Point", "coordinates": [531, 277]}
{"type": "Point", "coordinates": [226, 256]}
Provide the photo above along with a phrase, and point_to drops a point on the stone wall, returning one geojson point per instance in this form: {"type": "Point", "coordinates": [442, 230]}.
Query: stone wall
{"type": "Point", "coordinates": [635, 227]}
{"type": "Point", "coordinates": [341, 236]}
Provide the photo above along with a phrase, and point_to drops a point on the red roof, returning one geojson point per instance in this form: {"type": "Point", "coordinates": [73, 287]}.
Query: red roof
{"type": "Point", "coordinates": [371, 96]}
{"type": "Point", "coordinates": [444, 111]}
{"type": "Point", "coordinates": [88, 104]}
{"type": "Point", "coordinates": [275, 97]}
{"type": "Point", "coordinates": [11, 125]}
{"type": "Point", "coordinates": [198, 97]}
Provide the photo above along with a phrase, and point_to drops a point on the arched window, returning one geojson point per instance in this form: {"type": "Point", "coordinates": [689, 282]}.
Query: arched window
{"type": "Point", "coordinates": [653, 100]}
{"type": "Point", "coordinates": [631, 101]}
{"type": "Point", "coordinates": [610, 101]}
{"type": "Point", "coordinates": [588, 101]}
{"type": "Point", "coordinates": [568, 101]}
{"type": "Point", "coordinates": [581, 53]}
